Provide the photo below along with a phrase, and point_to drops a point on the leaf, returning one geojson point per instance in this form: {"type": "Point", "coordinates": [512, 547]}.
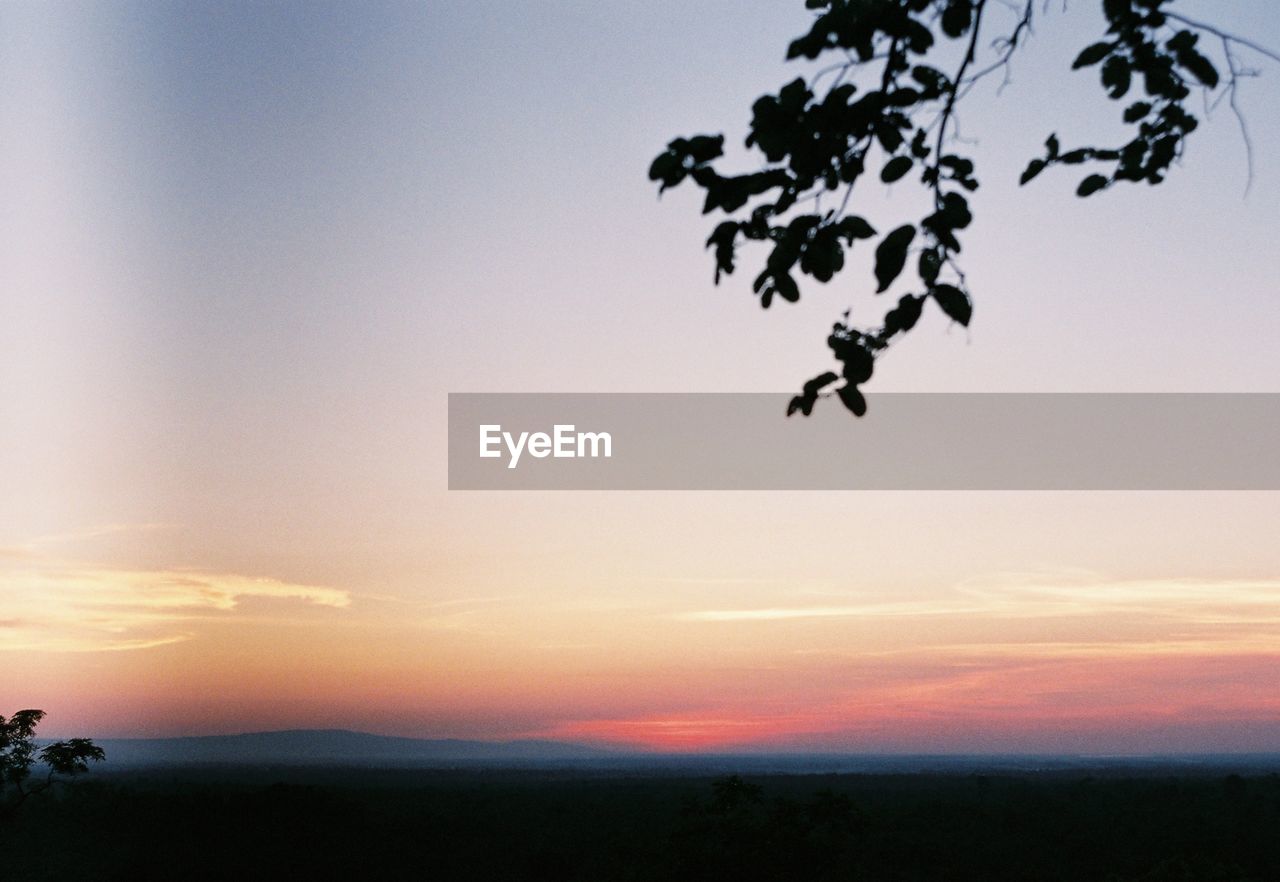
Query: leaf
{"type": "Point", "coordinates": [889, 136]}
{"type": "Point", "coordinates": [858, 363]}
{"type": "Point", "coordinates": [786, 287]}
{"type": "Point", "coordinates": [1201, 67]}
{"type": "Point", "coordinates": [960, 166]}
{"type": "Point", "coordinates": [802, 403]}
{"type": "Point", "coordinates": [851, 167]}
{"type": "Point", "coordinates": [778, 282]}
{"type": "Point", "coordinates": [895, 168]}
{"type": "Point", "coordinates": [824, 256]}
{"type": "Point", "coordinates": [704, 148]}
{"type": "Point", "coordinates": [904, 316]}
{"type": "Point", "coordinates": [1116, 10]}
{"type": "Point", "coordinates": [919, 149]}
{"type": "Point", "coordinates": [1182, 40]}
{"type": "Point", "coordinates": [931, 78]}
{"type": "Point", "coordinates": [1033, 168]}
{"type": "Point", "coordinates": [1092, 55]}
{"type": "Point", "coordinates": [957, 210]}
{"type": "Point", "coordinates": [956, 17]}
{"type": "Point", "coordinates": [954, 302]}
{"type": "Point", "coordinates": [1091, 185]}
{"type": "Point", "coordinates": [1136, 111]}
{"type": "Point", "coordinates": [853, 399]}
{"type": "Point", "coordinates": [929, 265]}
{"type": "Point", "coordinates": [891, 255]}
{"type": "Point", "coordinates": [662, 165]}
{"type": "Point", "coordinates": [854, 227]}
{"type": "Point", "coordinates": [814, 386]}
{"type": "Point", "coordinates": [1051, 145]}
{"type": "Point", "coordinates": [902, 97]}
{"type": "Point", "coordinates": [723, 240]}
{"type": "Point", "coordinates": [668, 168]}
{"type": "Point", "coordinates": [1116, 76]}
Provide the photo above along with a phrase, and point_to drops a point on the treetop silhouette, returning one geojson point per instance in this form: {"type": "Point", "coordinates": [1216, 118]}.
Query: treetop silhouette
{"type": "Point", "coordinates": [20, 755]}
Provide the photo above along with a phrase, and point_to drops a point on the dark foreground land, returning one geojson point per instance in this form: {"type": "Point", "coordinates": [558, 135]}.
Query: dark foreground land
{"type": "Point", "coordinates": [361, 824]}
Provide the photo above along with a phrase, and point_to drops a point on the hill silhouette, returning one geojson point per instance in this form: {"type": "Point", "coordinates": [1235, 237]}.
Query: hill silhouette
{"type": "Point", "coordinates": [340, 747]}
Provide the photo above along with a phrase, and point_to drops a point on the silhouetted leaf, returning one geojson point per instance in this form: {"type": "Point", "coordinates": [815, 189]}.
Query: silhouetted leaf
{"type": "Point", "coordinates": [802, 403]}
{"type": "Point", "coordinates": [723, 239]}
{"type": "Point", "coordinates": [785, 287]}
{"type": "Point", "coordinates": [1116, 76]}
{"type": "Point", "coordinates": [933, 80]}
{"type": "Point", "coordinates": [704, 148]}
{"type": "Point", "coordinates": [956, 17]}
{"type": "Point", "coordinates": [1201, 67]}
{"type": "Point", "coordinates": [903, 97]}
{"type": "Point", "coordinates": [959, 166]}
{"type": "Point", "coordinates": [1116, 10]}
{"type": "Point", "coordinates": [904, 316]}
{"type": "Point", "coordinates": [919, 149]}
{"type": "Point", "coordinates": [853, 399]}
{"type": "Point", "coordinates": [814, 386]}
{"type": "Point", "coordinates": [889, 136]}
{"type": "Point", "coordinates": [1033, 168]}
{"type": "Point", "coordinates": [854, 227]}
{"type": "Point", "coordinates": [891, 255]}
{"type": "Point", "coordinates": [1092, 55]}
{"type": "Point", "coordinates": [1136, 111]}
{"type": "Point", "coordinates": [929, 265]}
{"type": "Point", "coordinates": [823, 256]}
{"type": "Point", "coordinates": [1182, 40]}
{"type": "Point", "coordinates": [1091, 185]}
{"type": "Point", "coordinates": [954, 302]}
{"type": "Point", "coordinates": [895, 168]}
{"type": "Point", "coordinates": [858, 363]}
{"type": "Point", "coordinates": [956, 208]}
{"type": "Point", "coordinates": [668, 168]}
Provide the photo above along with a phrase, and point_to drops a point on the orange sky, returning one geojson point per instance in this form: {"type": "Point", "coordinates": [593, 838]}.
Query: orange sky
{"type": "Point", "coordinates": [847, 650]}
{"type": "Point", "coordinates": [247, 254]}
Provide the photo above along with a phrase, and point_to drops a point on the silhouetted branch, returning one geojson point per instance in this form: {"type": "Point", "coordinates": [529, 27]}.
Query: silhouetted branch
{"type": "Point", "coordinates": [1223, 35]}
{"type": "Point", "coordinates": [1006, 46]}
{"type": "Point", "coordinates": [953, 93]}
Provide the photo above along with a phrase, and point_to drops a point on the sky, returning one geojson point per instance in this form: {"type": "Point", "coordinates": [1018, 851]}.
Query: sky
{"type": "Point", "coordinates": [247, 250]}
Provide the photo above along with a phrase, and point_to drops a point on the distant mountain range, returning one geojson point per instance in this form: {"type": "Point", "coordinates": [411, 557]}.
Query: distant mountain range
{"type": "Point", "coordinates": [344, 748]}
{"type": "Point", "coordinates": [341, 747]}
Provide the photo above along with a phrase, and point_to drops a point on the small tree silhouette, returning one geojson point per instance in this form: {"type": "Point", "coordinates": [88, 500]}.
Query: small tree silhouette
{"type": "Point", "coordinates": [19, 754]}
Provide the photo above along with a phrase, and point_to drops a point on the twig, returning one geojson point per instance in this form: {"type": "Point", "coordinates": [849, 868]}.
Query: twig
{"type": "Point", "coordinates": [1223, 35]}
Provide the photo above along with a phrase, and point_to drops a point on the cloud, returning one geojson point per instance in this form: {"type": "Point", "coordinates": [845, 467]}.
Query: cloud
{"type": "Point", "coordinates": [67, 608]}
{"type": "Point", "coordinates": [811, 612]}
{"type": "Point", "coordinates": [1192, 602]}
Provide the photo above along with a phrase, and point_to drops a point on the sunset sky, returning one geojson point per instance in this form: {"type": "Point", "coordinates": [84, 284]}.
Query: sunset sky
{"type": "Point", "coordinates": [246, 252]}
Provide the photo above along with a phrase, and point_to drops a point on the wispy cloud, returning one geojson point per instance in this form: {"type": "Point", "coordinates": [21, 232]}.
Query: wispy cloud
{"type": "Point", "coordinates": [35, 546]}
{"type": "Point", "coordinates": [764, 614]}
{"type": "Point", "coordinates": [69, 608]}
{"type": "Point", "coordinates": [1195, 602]}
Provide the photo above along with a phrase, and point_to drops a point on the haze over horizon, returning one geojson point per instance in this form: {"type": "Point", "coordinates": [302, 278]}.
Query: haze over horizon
{"type": "Point", "coordinates": [251, 249]}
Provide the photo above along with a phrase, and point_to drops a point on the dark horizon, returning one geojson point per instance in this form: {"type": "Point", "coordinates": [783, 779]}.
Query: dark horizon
{"type": "Point", "coordinates": [347, 747]}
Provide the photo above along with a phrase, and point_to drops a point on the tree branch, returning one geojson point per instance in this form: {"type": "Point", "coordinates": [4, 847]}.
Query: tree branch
{"type": "Point", "coordinates": [953, 93]}
{"type": "Point", "coordinates": [1007, 46]}
{"type": "Point", "coordinates": [1223, 35]}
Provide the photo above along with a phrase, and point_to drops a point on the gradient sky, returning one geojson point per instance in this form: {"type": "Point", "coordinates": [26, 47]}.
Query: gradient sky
{"type": "Point", "coordinates": [246, 251]}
